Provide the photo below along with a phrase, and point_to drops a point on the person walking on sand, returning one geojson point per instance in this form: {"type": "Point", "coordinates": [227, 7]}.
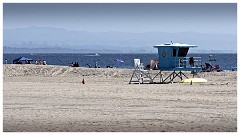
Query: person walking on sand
{"type": "Point", "coordinates": [96, 65]}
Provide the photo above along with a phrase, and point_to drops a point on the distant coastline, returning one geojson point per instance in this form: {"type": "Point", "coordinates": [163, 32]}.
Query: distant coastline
{"type": "Point", "coordinates": [60, 40]}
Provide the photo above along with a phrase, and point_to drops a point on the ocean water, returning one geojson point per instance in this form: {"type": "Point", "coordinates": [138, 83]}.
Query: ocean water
{"type": "Point", "coordinates": [226, 61]}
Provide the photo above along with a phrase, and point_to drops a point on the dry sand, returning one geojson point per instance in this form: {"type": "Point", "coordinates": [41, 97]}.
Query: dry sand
{"type": "Point", "coordinates": [43, 98]}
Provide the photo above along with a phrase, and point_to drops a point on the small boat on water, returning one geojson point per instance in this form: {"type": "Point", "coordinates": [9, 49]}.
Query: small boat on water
{"type": "Point", "coordinates": [119, 60]}
{"type": "Point", "coordinates": [96, 54]}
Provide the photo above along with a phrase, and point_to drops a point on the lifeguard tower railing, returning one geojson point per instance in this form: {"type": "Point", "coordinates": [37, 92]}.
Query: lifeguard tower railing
{"type": "Point", "coordinates": [183, 63]}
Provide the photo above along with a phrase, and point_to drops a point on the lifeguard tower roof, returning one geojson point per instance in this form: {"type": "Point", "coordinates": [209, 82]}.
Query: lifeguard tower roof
{"type": "Point", "coordinates": [174, 45]}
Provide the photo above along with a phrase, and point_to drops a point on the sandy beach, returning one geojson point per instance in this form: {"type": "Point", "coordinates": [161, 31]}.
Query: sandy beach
{"type": "Point", "coordinates": [45, 98]}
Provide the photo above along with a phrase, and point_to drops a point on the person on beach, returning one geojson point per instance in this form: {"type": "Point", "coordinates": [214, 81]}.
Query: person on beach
{"type": "Point", "coordinates": [44, 62]}
{"type": "Point", "coordinates": [181, 62]}
{"type": "Point", "coordinates": [96, 66]}
{"type": "Point", "coordinates": [89, 66]}
{"type": "Point", "coordinates": [191, 61]}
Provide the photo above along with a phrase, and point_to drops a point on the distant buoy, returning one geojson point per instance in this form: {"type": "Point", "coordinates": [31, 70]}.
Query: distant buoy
{"type": "Point", "coordinates": [83, 81]}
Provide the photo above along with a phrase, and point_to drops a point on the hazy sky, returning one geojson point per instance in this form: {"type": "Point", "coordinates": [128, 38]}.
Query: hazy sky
{"type": "Point", "coordinates": [206, 18]}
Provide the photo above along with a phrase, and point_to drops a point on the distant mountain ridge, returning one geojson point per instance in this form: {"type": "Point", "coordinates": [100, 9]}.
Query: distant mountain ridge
{"type": "Point", "coordinates": [55, 50]}
{"type": "Point", "coordinates": [47, 37]}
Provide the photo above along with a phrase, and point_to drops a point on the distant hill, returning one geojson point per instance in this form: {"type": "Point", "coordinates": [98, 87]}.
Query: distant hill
{"type": "Point", "coordinates": [55, 50]}
{"type": "Point", "coordinates": [52, 38]}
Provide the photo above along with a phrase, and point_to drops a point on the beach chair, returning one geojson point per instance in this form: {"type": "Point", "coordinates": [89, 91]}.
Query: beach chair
{"type": "Point", "coordinates": [139, 74]}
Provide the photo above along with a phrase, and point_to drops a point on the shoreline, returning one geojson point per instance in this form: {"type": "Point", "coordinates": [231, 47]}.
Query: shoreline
{"type": "Point", "coordinates": [102, 67]}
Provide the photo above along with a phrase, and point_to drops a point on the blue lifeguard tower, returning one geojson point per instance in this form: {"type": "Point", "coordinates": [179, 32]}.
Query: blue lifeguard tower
{"type": "Point", "coordinates": [173, 57]}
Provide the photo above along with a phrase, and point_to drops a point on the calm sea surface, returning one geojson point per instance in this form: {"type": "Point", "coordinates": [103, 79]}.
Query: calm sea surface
{"type": "Point", "coordinates": [226, 61]}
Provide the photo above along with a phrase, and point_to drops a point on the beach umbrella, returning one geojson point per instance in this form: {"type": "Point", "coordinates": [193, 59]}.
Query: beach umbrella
{"type": "Point", "coordinates": [22, 59]}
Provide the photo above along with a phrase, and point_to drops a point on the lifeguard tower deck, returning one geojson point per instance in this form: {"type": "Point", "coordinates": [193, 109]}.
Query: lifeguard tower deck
{"type": "Point", "coordinates": [172, 57]}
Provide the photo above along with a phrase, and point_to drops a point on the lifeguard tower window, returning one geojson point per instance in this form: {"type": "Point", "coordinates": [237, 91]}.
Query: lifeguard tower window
{"type": "Point", "coordinates": [182, 52]}
{"type": "Point", "coordinates": [174, 52]}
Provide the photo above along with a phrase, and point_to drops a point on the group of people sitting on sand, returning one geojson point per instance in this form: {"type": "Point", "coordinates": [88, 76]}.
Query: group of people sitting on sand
{"type": "Point", "coordinates": [22, 62]}
{"type": "Point", "coordinates": [41, 62]}
{"type": "Point", "coordinates": [209, 68]}
{"type": "Point", "coordinates": [153, 65]}
{"type": "Point", "coordinates": [96, 65]}
{"type": "Point", "coordinates": [74, 64]}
